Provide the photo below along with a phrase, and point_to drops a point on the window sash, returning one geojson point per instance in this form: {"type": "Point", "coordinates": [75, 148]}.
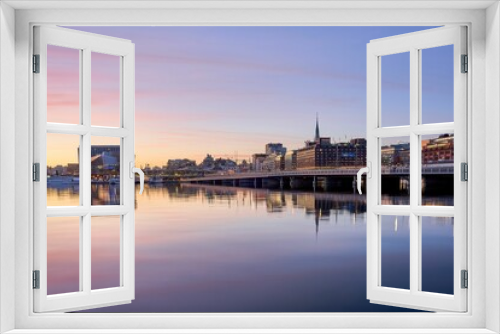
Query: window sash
{"type": "Point", "coordinates": [86, 297]}
{"type": "Point", "coordinates": [413, 43]}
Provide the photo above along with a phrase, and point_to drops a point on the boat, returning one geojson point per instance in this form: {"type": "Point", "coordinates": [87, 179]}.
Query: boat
{"type": "Point", "coordinates": [59, 179]}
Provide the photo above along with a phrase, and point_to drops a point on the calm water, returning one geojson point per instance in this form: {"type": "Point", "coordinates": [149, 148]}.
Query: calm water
{"type": "Point", "coordinates": [224, 249]}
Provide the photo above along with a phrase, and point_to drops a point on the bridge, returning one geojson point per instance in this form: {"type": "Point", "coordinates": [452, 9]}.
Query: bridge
{"type": "Point", "coordinates": [396, 178]}
{"type": "Point", "coordinates": [441, 169]}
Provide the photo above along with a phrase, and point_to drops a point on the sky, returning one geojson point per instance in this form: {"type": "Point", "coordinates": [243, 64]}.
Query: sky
{"type": "Point", "coordinates": [227, 91]}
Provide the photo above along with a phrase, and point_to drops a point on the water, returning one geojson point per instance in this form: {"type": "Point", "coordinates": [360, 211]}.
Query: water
{"type": "Point", "coordinates": [225, 249]}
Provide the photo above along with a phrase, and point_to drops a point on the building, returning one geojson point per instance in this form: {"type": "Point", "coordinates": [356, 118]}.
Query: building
{"type": "Point", "coordinates": [180, 164]}
{"type": "Point", "coordinates": [273, 162]}
{"type": "Point", "coordinates": [290, 160]}
{"type": "Point", "coordinates": [208, 163]}
{"type": "Point", "coordinates": [73, 169]}
{"type": "Point", "coordinates": [395, 155]}
{"type": "Point", "coordinates": [438, 150]}
{"type": "Point", "coordinates": [257, 160]}
{"type": "Point", "coordinates": [321, 153]}
{"type": "Point", "coordinates": [105, 159]}
{"type": "Point", "coordinates": [275, 148]}
{"type": "Point", "coordinates": [269, 163]}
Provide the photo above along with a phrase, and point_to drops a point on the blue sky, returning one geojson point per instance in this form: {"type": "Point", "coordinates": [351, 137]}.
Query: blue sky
{"type": "Point", "coordinates": [228, 91]}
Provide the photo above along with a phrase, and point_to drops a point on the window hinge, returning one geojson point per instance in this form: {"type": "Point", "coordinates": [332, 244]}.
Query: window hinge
{"type": "Point", "coordinates": [464, 172]}
{"type": "Point", "coordinates": [36, 63]}
{"type": "Point", "coordinates": [465, 64]}
{"type": "Point", "coordinates": [465, 279]}
{"type": "Point", "coordinates": [36, 279]}
{"type": "Point", "coordinates": [36, 172]}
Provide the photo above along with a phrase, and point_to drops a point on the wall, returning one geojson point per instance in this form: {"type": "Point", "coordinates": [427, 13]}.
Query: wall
{"type": "Point", "coordinates": [7, 124]}
{"type": "Point", "coordinates": [492, 165]}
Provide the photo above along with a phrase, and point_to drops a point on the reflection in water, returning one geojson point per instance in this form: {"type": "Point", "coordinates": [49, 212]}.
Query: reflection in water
{"type": "Point", "coordinates": [225, 249]}
{"type": "Point", "coordinates": [63, 194]}
{"type": "Point", "coordinates": [105, 194]}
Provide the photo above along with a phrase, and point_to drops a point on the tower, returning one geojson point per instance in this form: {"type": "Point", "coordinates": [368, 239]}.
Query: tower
{"type": "Point", "coordinates": [316, 136]}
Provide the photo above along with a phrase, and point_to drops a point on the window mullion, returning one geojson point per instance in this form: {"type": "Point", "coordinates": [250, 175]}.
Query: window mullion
{"type": "Point", "coordinates": [414, 169]}
{"type": "Point", "coordinates": [85, 176]}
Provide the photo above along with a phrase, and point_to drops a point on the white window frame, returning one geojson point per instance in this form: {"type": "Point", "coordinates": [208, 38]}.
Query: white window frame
{"type": "Point", "coordinates": [483, 246]}
{"type": "Point", "coordinates": [414, 43]}
{"type": "Point", "coordinates": [123, 50]}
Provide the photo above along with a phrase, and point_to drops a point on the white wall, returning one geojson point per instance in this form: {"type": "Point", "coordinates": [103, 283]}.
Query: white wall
{"type": "Point", "coordinates": [7, 124]}
{"type": "Point", "coordinates": [492, 165]}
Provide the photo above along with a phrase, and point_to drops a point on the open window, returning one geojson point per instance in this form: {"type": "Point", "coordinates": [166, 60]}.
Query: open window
{"type": "Point", "coordinates": [413, 127]}
{"type": "Point", "coordinates": [97, 132]}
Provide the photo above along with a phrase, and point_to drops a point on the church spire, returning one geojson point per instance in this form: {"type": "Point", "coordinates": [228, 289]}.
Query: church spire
{"type": "Point", "coordinates": [316, 136]}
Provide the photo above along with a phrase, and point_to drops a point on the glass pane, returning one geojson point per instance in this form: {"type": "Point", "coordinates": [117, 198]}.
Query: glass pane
{"type": "Point", "coordinates": [63, 85]}
{"type": "Point", "coordinates": [437, 169]}
{"type": "Point", "coordinates": [105, 169]}
{"type": "Point", "coordinates": [395, 239]}
{"type": "Point", "coordinates": [63, 169]}
{"type": "Point", "coordinates": [395, 169]}
{"type": "Point", "coordinates": [437, 254]}
{"type": "Point", "coordinates": [105, 252]}
{"type": "Point", "coordinates": [395, 89]}
{"type": "Point", "coordinates": [437, 84]}
{"type": "Point", "coordinates": [105, 90]}
{"type": "Point", "coordinates": [63, 254]}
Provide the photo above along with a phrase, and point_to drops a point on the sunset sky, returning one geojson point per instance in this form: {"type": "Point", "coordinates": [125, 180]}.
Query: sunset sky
{"type": "Point", "coordinates": [228, 91]}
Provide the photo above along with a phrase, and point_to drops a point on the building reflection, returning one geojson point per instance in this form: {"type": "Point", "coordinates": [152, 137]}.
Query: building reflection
{"type": "Point", "coordinates": [105, 194]}
{"type": "Point", "coordinates": [318, 207]}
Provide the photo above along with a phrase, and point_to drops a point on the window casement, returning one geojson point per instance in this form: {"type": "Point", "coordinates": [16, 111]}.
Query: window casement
{"type": "Point", "coordinates": [86, 45]}
{"type": "Point", "coordinates": [415, 44]}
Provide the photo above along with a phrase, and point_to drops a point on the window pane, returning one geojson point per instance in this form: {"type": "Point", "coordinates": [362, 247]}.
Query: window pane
{"type": "Point", "coordinates": [63, 169]}
{"type": "Point", "coordinates": [395, 90]}
{"type": "Point", "coordinates": [105, 252]}
{"type": "Point", "coordinates": [437, 169]}
{"type": "Point", "coordinates": [105, 90]}
{"type": "Point", "coordinates": [105, 162]}
{"type": "Point", "coordinates": [395, 169]}
{"type": "Point", "coordinates": [437, 84]}
{"type": "Point", "coordinates": [437, 254]}
{"type": "Point", "coordinates": [63, 85]}
{"type": "Point", "coordinates": [63, 254]}
{"type": "Point", "coordinates": [395, 242]}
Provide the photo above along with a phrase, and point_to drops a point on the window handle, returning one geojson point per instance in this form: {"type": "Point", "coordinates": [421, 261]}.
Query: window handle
{"type": "Point", "coordinates": [139, 171]}
{"type": "Point", "coordinates": [368, 172]}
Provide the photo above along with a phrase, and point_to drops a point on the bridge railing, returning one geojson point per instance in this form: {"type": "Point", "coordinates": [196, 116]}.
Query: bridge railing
{"type": "Point", "coordinates": [426, 169]}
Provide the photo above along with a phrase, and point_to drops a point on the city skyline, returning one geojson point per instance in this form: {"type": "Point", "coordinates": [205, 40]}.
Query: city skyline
{"type": "Point", "coordinates": [227, 91]}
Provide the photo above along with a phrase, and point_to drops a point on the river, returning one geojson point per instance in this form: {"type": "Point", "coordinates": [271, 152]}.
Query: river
{"type": "Point", "coordinates": [225, 249]}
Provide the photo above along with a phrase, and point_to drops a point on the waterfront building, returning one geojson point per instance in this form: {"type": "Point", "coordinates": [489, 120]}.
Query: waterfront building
{"type": "Point", "coordinates": [395, 155]}
{"type": "Point", "coordinates": [290, 160]}
{"type": "Point", "coordinates": [438, 150]}
{"type": "Point", "coordinates": [105, 159]}
{"type": "Point", "coordinates": [208, 163]}
{"type": "Point", "coordinates": [269, 163]}
{"type": "Point", "coordinates": [73, 169]}
{"type": "Point", "coordinates": [244, 166]}
{"type": "Point", "coordinates": [321, 153]}
{"type": "Point", "coordinates": [180, 164]}
{"type": "Point", "coordinates": [279, 162]}
{"type": "Point", "coordinates": [257, 160]}
{"type": "Point", "coordinates": [221, 164]}
{"type": "Point", "coordinates": [111, 150]}
{"type": "Point", "coordinates": [275, 148]}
